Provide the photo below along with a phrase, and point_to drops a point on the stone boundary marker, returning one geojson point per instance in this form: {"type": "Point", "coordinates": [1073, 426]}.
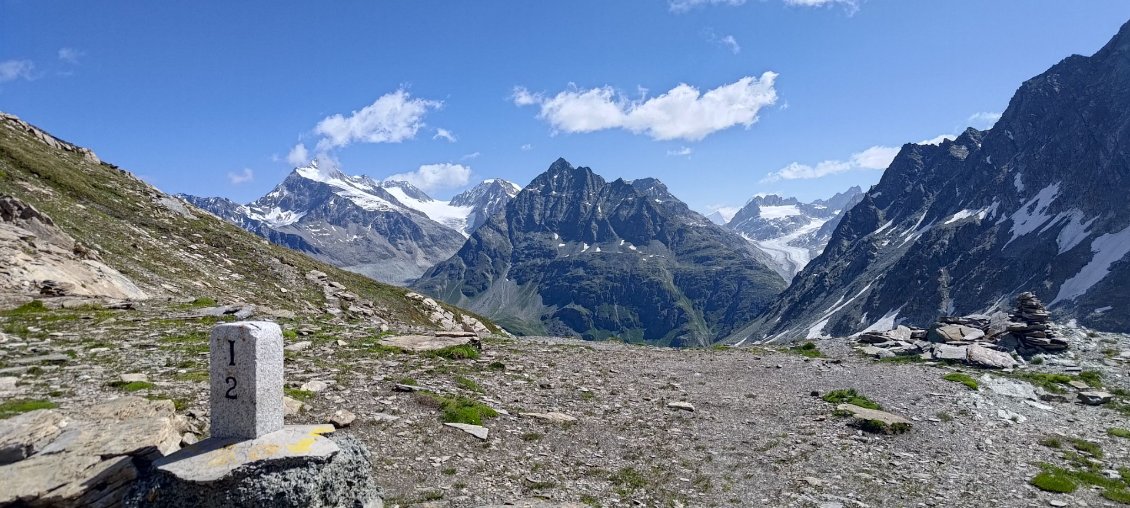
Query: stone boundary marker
{"type": "Point", "coordinates": [247, 379]}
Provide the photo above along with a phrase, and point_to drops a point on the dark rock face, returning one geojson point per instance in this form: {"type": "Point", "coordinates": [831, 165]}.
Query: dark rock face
{"type": "Point", "coordinates": [1038, 201]}
{"type": "Point", "coordinates": [790, 232]}
{"type": "Point", "coordinates": [575, 255]}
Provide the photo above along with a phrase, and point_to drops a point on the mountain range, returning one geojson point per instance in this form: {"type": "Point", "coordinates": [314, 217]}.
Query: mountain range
{"type": "Point", "coordinates": [791, 232]}
{"type": "Point", "coordinates": [1036, 203]}
{"type": "Point", "coordinates": [573, 254]}
{"type": "Point", "coordinates": [390, 230]}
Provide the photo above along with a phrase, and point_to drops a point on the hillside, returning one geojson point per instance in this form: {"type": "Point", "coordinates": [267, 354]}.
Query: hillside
{"type": "Point", "coordinates": [170, 250]}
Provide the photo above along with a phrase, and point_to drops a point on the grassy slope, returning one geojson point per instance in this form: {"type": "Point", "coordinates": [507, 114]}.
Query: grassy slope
{"type": "Point", "coordinates": [167, 253]}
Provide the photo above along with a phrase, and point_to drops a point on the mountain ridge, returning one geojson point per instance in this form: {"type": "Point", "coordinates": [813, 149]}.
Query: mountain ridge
{"type": "Point", "coordinates": [575, 254]}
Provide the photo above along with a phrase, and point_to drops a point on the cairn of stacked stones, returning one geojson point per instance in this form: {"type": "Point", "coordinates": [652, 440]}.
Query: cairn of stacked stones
{"type": "Point", "coordinates": [1030, 325]}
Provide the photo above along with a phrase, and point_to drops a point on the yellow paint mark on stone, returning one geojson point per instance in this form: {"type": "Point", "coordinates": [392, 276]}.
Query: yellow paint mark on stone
{"type": "Point", "coordinates": [303, 445]}
{"type": "Point", "coordinates": [223, 456]}
{"type": "Point", "coordinates": [262, 451]}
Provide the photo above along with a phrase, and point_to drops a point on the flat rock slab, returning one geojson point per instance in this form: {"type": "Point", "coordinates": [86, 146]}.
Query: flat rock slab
{"type": "Point", "coordinates": [475, 430]}
{"type": "Point", "coordinates": [417, 343]}
{"type": "Point", "coordinates": [214, 458]}
{"type": "Point", "coordinates": [552, 416]}
{"type": "Point", "coordinates": [26, 434]}
{"type": "Point", "coordinates": [873, 420]}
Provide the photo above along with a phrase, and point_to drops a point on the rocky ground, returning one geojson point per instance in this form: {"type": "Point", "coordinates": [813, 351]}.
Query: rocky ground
{"type": "Point", "coordinates": [759, 433]}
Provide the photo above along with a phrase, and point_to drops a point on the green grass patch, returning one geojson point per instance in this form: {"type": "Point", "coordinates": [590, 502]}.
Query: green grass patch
{"type": "Point", "coordinates": [298, 394]}
{"type": "Point", "coordinates": [32, 307]}
{"type": "Point", "coordinates": [1119, 432]}
{"type": "Point", "coordinates": [496, 365]}
{"type": "Point", "coordinates": [10, 408]}
{"type": "Point", "coordinates": [1088, 447]}
{"type": "Point", "coordinates": [457, 409]}
{"type": "Point", "coordinates": [410, 381]}
{"type": "Point", "coordinates": [1052, 442]}
{"type": "Point", "coordinates": [1052, 382]}
{"type": "Point", "coordinates": [1054, 479]}
{"type": "Point", "coordinates": [194, 376]}
{"type": "Point", "coordinates": [531, 436]}
{"type": "Point", "coordinates": [963, 378]}
{"type": "Point", "coordinates": [807, 350]}
{"type": "Point", "coordinates": [460, 352]}
{"type": "Point", "coordinates": [628, 480]}
{"type": "Point", "coordinates": [1093, 378]}
{"type": "Point", "coordinates": [903, 359]}
{"type": "Point", "coordinates": [1119, 495]}
{"type": "Point", "coordinates": [850, 396]}
{"type": "Point", "coordinates": [133, 386]}
{"type": "Point", "coordinates": [201, 302]}
{"type": "Point", "coordinates": [468, 384]}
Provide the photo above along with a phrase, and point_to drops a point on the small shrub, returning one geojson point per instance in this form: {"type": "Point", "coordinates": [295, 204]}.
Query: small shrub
{"type": "Point", "coordinates": [10, 408]}
{"type": "Point", "coordinates": [808, 350]}
{"type": "Point", "coordinates": [628, 480]}
{"type": "Point", "coordinates": [496, 365]}
{"type": "Point", "coordinates": [449, 471]}
{"type": "Point", "coordinates": [531, 436]}
{"type": "Point", "coordinates": [850, 396]}
{"type": "Point", "coordinates": [963, 378]}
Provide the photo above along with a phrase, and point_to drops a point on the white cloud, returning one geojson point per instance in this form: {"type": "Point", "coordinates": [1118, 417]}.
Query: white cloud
{"type": "Point", "coordinates": [523, 97]}
{"type": "Point", "coordinates": [70, 55]}
{"type": "Point", "coordinates": [730, 42]}
{"type": "Point", "coordinates": [470, 156]}
{"type": "Point", "coordinates": [392, 118]}
{"type": "Point", "coordinates": [683, 151]}
{"type": "Point", "coordinates": [681, 113]}
{"type": "Point", "coordinates": [680, 6]}
{"type": "Point", "coordinates": [298, 155]}
{"type": "Point", "coordinates": [242, 177]}
{"type": "Point", "coordinates": [852, 6]}
{"type": "Point", "coordinates": [430, 177]}
{"type": "Point", "coordinates": [983, 120]}
{"type": "Point", "coordinates": [727, 41]}
{"type": "Point", "coordinates": [527, 147]}
{"type": "Point", "coordinates": [876, 157]}
{"type": "Point", "coordinates": [686, 5]}
{"type": "Point", "coordinates": [11, 70]}
{"type": "Point", "coordinates": [444, 134]}
{"type": "Point", "coordinates": [936, 140]}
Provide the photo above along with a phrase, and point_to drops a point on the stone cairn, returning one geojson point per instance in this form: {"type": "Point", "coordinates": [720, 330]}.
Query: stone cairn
{"type": "Point", "coordinates": [1030, 325]}
{"type": "Point", "coordinates": [981, 340]}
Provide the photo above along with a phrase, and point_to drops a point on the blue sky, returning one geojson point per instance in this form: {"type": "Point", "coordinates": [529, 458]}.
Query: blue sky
{"type": "Point", "coordinates": [721, 99]}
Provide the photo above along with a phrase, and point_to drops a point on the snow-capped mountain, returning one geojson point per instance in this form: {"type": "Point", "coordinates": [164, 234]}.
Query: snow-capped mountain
{"type": "Point", "coordinates": [390, 231]}
{"type": "Point", "coordinates": [1036, 203]}
{"type": "Point", "coordinates": [791, 232]}
{"type": "Point", "coordinates": [484, 200]}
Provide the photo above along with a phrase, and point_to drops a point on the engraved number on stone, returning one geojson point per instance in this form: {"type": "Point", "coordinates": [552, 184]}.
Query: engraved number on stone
{"type": "Point", "coordinates": [231, 354]}
{"type": "Point", "coordinates": [230, 380]}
